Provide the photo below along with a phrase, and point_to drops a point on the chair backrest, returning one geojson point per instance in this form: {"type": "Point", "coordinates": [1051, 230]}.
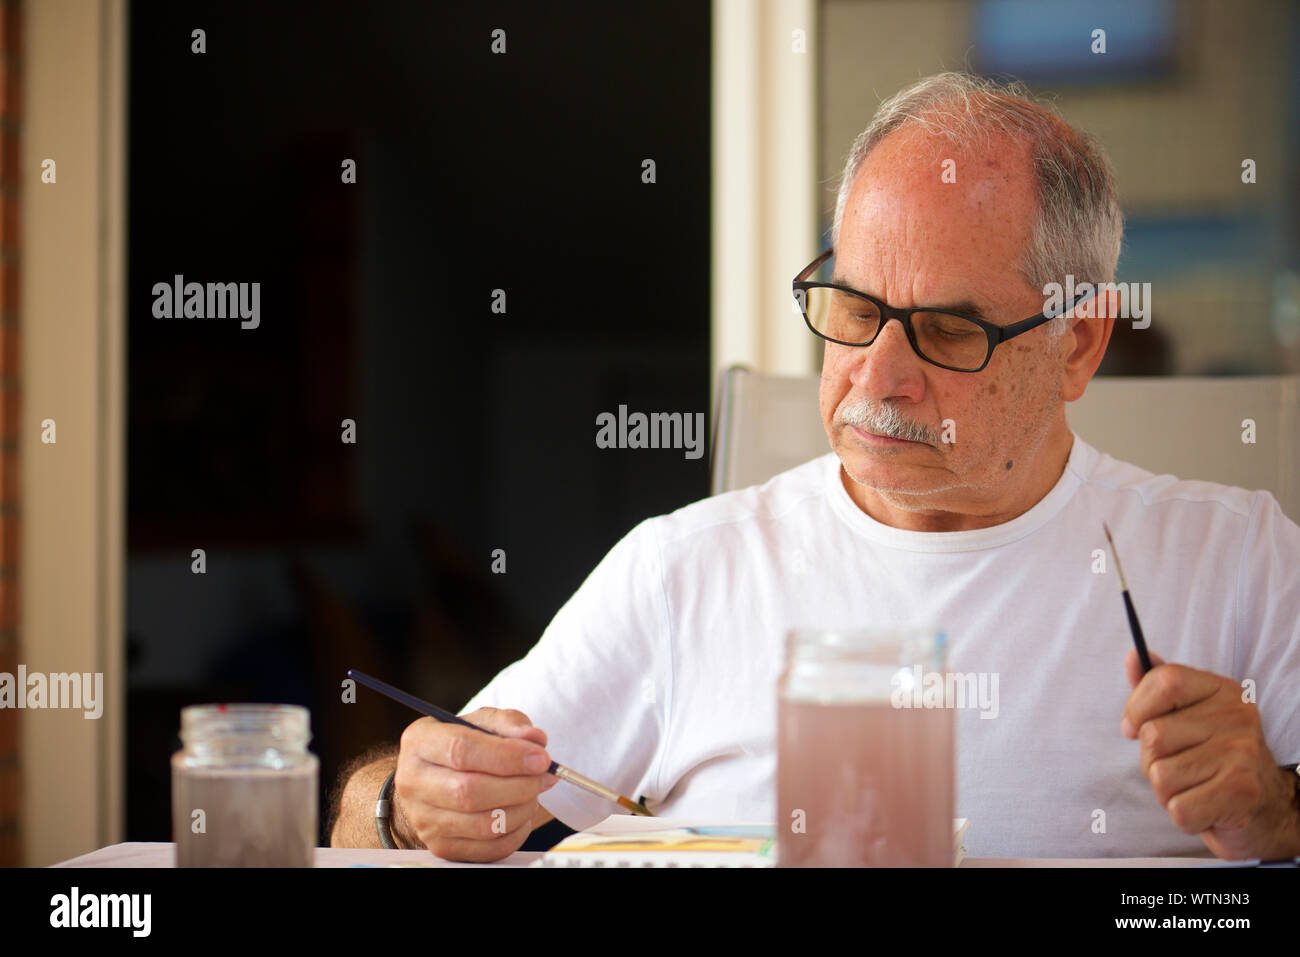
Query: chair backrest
{"type": "Point", "coordinates": [1191, 427]}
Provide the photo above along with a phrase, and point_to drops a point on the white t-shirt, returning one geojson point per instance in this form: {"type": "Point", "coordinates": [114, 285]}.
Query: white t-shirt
{"type": "Point", "coordinates": [658, 677]}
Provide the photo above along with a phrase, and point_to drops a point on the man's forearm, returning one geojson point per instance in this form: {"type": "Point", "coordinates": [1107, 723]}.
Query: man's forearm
{"type": "Point", "coordinates": [355, 826]}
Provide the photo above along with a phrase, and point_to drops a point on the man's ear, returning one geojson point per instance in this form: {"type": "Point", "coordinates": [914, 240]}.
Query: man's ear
{"type": "Point", "coordinates": [1086, 339]}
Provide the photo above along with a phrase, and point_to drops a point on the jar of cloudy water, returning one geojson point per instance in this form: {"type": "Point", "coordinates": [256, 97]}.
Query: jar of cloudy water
{"type": "Point", "coordinates": [865, 773]}
{"type": "Point", "coordinates": [244, 787]}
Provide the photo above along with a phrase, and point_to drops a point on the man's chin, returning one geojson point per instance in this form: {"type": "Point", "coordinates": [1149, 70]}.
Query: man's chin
{"type": "Point", "coordinates": [893, 486]}
{"type": "Point", "coordinates": [880, 468]}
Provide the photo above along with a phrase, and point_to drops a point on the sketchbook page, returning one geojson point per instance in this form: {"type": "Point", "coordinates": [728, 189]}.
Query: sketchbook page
{"type": "Point", "coordinates": [636, 824]}
{"type": "Point", "coordinates": [625, 840]}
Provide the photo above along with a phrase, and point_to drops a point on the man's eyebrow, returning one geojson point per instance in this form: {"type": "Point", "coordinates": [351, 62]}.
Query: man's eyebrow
{"type": "Point", "coordinates": [963, 308]}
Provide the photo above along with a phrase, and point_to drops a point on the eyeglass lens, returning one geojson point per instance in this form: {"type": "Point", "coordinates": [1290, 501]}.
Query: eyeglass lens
{"type": "Point", "coordinates": [940, 337]}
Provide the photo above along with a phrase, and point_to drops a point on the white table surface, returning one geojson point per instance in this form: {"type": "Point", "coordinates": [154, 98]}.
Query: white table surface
{"type": "Point", "coordinates": [139, 854]}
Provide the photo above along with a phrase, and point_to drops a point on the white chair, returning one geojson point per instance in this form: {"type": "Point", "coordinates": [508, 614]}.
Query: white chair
{"type": "Point", "coordinates": [1187, 426]}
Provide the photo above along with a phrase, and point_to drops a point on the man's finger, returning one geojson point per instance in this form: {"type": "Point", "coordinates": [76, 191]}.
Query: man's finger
{"type": "Point", "coordinates": [468, 749]}
{"type": "Point", "coordinates": [1205, 806]}
{"type": "Point", "coordinates": [423, 783]}
{"type": "Point", "coordinates": [469, 792]}
{"type": "Point", "coordinates": [482, 825]}
{"type": "Point", "coordinates": [1174, 733]}
{"type": "Point", "coordinates": [1165, 689]}
{"type": "Point", "coordinates": [1184, 771]}
{"type": "Point", "coordinates": [463, 849]}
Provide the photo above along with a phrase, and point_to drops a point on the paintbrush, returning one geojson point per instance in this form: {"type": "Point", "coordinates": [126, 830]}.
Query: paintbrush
{"type": "Point", "coordinates": [559, 770]}
{"type": "Point", "coordinates": [1133, 625]}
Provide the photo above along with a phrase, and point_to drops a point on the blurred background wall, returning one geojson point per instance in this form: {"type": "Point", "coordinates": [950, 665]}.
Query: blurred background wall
{"type": "Point", "coordinates": [1184, 93]}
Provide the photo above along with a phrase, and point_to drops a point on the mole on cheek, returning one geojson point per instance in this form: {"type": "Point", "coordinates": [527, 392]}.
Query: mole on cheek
{"type": "Point", "coordinates": [1008, 465]}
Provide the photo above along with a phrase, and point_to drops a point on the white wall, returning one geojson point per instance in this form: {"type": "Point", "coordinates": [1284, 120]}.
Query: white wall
{"type": "Point", "coordinates": [764, 194]}
{"type": "Point", "coordinates": [72, 315]}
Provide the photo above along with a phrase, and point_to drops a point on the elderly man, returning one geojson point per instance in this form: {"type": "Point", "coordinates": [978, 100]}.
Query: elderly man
{"type": "Point", "coordinates": [955, 494]}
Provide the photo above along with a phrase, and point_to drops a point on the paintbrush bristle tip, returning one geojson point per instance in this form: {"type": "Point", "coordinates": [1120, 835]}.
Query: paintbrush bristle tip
{"type": "Point", "coordinates": [634, 807]}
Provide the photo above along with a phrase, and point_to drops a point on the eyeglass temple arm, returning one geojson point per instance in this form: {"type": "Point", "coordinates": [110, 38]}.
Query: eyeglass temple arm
{"type": "Point", "coordinates": [1016, 328]}
{"type": "Point", "coordinates": [812, 266]}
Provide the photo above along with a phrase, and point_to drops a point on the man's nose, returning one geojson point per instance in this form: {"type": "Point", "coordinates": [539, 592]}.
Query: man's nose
{"type": "Point", "coordinates": [888, 366]}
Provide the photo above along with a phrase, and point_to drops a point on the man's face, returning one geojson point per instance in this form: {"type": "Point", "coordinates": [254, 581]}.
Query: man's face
{"type": "Point", "coordinates": [911, 239]}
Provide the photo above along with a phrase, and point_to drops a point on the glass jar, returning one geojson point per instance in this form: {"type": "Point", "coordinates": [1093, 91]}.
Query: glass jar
{"type": "Point", "coordinates": [244, 787]}
{"type": "Point", "coordinates": [864, 760]}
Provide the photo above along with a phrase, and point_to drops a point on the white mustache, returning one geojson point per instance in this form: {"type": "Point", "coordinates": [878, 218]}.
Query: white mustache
{"type": "Point", "coordinates": [882, 419]}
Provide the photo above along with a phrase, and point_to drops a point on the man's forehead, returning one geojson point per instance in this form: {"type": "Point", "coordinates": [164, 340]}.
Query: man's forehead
{"type": "Point", "coordinates": [943, 225]}
{"type": "Point", "coordinates": [1004, 154]}
{"type": "Point", "coordinates": [878, 269]}
{"type": "Point", "coordinates": [912, 172]}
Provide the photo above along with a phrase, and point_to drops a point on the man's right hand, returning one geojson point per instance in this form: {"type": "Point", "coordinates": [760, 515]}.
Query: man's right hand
{"type": "Point", "coordinates": [467, 795]}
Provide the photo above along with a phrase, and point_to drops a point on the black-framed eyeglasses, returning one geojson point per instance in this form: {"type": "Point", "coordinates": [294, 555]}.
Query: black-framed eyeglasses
{"type": "Point", "coordinates": [946, 339]}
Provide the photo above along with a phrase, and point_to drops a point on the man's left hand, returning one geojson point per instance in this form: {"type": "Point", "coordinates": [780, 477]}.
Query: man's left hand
{"type": "Point", "coordinates": [1203, 751]}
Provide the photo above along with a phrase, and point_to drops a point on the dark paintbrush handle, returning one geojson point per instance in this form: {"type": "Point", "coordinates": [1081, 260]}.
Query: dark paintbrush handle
{"type": "Point", "coordinates": [1137, 633]}
{"type": "Point", "coordinates": [422, 706]}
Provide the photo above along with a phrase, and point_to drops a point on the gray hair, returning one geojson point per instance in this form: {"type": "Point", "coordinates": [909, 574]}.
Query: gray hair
{"type": "Point", "coordinates": [1079, 225]}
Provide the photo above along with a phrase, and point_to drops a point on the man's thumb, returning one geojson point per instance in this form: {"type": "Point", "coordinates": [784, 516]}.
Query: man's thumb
{"type": "Point", "coordinates": [1133, 667]}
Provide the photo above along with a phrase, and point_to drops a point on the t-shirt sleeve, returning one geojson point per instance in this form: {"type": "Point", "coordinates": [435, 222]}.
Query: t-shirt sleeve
{"type": "Point", "coordinates": [597, 681]}
{"type": "Point", "coordinates": [1268, 617]}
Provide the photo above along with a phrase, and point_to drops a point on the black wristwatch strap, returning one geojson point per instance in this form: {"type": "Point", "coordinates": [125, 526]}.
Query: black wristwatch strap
{"type": "Point", "coordinates": [384, 813]}
{"type": "Point", "coordinates": [1294, 770]}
